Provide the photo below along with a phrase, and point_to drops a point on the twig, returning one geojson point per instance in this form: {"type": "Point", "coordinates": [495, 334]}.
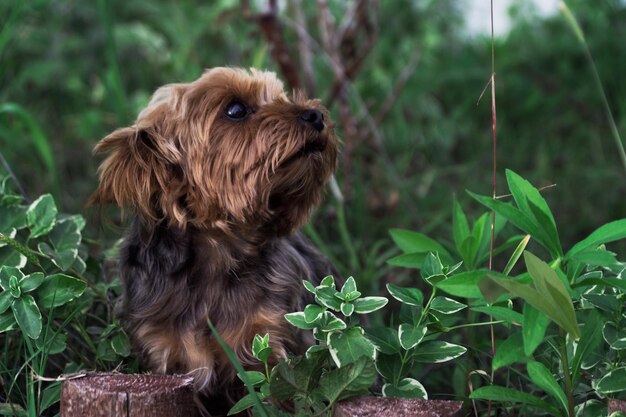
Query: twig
{"type": "Point", "coordinates": [306, 56]}
{"type": "Point", "coordinates": [498, 197]}
{"type": "Point", "coordinates": [268, 22]}
{"type": "Point", "coordinates": [494, 178]}
{"type": "Point", "coordinates": [366, 26]}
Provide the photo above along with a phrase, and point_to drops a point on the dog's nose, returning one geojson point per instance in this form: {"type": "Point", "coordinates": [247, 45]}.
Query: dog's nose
{"type": "Point", "coordinates": [313, 117]}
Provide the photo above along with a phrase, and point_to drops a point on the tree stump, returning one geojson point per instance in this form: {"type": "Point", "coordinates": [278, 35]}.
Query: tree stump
{"type": "Point", "coordinates": [397, 407]}
{"type": "Point", "coordinates": [96, 395]}
{"type": "Point", "coordinates": [616, 405]}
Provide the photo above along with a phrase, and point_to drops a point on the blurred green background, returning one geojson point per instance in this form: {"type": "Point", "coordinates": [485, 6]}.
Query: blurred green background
{"type": "Point", "coordinates": [72, 71]}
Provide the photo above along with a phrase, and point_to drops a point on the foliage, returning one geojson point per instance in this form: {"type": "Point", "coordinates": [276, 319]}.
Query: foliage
{"type": "Point", "coordinates": [560, 368]}
{"type": "Point", "coordinates": [46, 304]}
{"type": "Point", "coordinates": [74, 71]}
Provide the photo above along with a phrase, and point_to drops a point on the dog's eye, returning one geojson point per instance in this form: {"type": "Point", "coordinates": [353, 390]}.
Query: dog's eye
{"type": "Point", "coordinates": [236, 110]}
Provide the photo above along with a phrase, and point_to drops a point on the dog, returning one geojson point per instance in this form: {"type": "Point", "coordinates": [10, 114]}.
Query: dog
{"type": "Point", "coordinates": [219, 174]}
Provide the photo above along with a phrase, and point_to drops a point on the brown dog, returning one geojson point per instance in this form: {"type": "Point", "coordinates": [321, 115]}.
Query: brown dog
{"type": "Point", "coordinates": [220, 173]}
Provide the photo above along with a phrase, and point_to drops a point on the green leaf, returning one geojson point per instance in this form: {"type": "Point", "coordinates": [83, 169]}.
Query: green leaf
{"type": "Point", "coordinates": [328, 281]}
{"type": "Point", "coordinates": [41, 216]}
{"type": "Point", "coordinates": [411, 242]}
{"type": "Point", "coordinates": [65, 238]}
{"type": "Point", "coordinates": [543, 378]}
{"type": "Point", "coordinates": [547, 226]}
{"type": "Point", "coordinates": [243, 404]}
{"type": "Point", "coordinates": [256, 378]}
{"type": "Point", "coordinates": [410, 336]}
{"type": "Point", "coordinates": [6, 272]}
{"type": "Point", "coordinates": [533, 328]}
{"type": "Point", "coordinates": [410, 296]}
{"type": "Point", "coordinates": [614, 381]}
{"type": "Point", "coordinates": [384, 338]}
{"type": "Point", "coordinates": [257, 344]}
{"type": "Point", "coordinates": [608, 303]}
{"type": "Point", "coordinates": [616, 338]}
{"type": "Point", "coordinates": [590, 340]}
{"type": "Point", "coordinates": [468, 250]}
{"type": "Point", "coordinates": [508, 352]}
{"type": "Point", "coordinates": [539, 300]}
{"type": "Point", "coordinates": [460, 228]}
{"type": "Point", "coordinates": [547, 281]}
{"type": "Point", "coordinates": [52, 344]}
{"type": "Point", "coordinates": [517, 253]}
{"type": "Point", "coordinates": [464, 284]}
{"type": "Point", "coordinates": [438, 351]}
{"type": "Point", "coordinates": [349, 286]}
{"type": "Point", "coordinates": [409, 260]}
{"type": "Point", "coordinates": [367, 305]}
{"type": "Point", "coordinates": [431, 267]}
{"type": "Point", "coordinates": [594, 257]}
{"type": "Point", "coordinates": [297, 319]}
{"type": "Point", "coordinates": [446, 305]}
{"type": "Point", "coordinates": [502, 394]}
{"type": "Point", "coordinates": [7, 321]}
{"type": "Point", "coordinates": [347, 309]}
{"type": "Point", "coordinates": [609, 232]}
{"type": "Point", "coordinates": [309, 287]}
{"type": "Point", "coordinates": [390, 367]}
{"type": "Point", "coordinates": [518, 219]}
{"type": "Point", "coordinates": [6, 238]}
{"type": "Point", "coordinates": [50, 396]}
{"type": "Point", "coordinates": [10, 257]}
{"type": "Point", "coordinates": [500, 313]}
{"type": "Point", "coordinates": [406, 388]}
{"type": "Point", "coordinates": [348, 346]}
{"type": "Point", "coordinates": [331, 323]}
{"type": "Point", "coordinates": [5, 301]}
{"type": "Point", "coordinates": [264, 354]}
{"type": "Point", "coordinates": [121, 344]}
{"type": "Point", "coordinates": [297, 375]}
{"type": "Point", "coordinates": [313, 313]}
{"type": "Point", "coordinates": [27, 316]}
{"type": "Point", "coordinates": [31, 282]}
{"type": "Point", "coordinates": [14, 287]}
{"type": "Point", "coordinates": [59, 289]}
{"type": "Point", "coordinates": [13, 217]}
{"type": "Point", "coordinates": [347, 381]}
{"type": "Point", "coordinates": [526, 196]}
{"type": "Point", "coordinates": [13, 248]}
{"type": "Point", "coordinates": [327, 297]}
{"type": "Point", "coordinates": [314, 349]}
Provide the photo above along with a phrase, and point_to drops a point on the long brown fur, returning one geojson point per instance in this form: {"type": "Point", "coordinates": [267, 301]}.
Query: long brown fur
{"type": "Point", "coordinates": [218, 203]}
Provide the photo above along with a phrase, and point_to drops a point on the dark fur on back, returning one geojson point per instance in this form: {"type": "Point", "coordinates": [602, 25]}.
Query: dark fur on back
{"type": "Point", "coordinates": [175, 279]}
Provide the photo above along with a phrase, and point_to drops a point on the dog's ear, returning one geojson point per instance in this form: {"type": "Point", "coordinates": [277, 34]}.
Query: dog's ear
{"type": "Point", "coordinates": [142, 172]}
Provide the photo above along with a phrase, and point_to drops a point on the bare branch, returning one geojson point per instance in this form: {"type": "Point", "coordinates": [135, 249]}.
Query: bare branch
{"type": "Point", "coordinates": [270, 26]}
{"type": "Point", "coordinates": [306, 56]}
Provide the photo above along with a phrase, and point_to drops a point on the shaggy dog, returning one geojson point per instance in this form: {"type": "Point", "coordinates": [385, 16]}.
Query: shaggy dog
{"type": "Point", "coordinates": [220, 173]}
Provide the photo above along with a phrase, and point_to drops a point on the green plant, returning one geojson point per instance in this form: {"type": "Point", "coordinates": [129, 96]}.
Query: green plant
{"type": "Point", "coordinates": [581, 291]}
{"type": "Point", "coordinates": [340, 366]}
{"type": "Point", "coordinates": [44, 296]}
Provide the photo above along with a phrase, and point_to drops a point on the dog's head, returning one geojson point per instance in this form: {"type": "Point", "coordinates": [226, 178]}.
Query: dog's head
{"type": "Point", "coordinates": [229, 149]}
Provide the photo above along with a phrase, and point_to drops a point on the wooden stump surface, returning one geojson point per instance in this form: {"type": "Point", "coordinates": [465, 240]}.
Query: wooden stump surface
{"type": "Point", "coordinates": [119, 395]}
{"type": "Point", "coordinates": [397, 407]}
